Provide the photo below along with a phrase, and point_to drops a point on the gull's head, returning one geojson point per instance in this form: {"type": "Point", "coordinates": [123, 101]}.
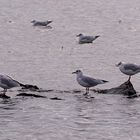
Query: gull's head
{"type": "Point", "coordinates": [118, 64]}
{"type": "Point", "coordinates": [79, 35]}
{"type": "Point", "coordinates": [77, 72]}
{"type": "Point", "coordinates": [33, 21]}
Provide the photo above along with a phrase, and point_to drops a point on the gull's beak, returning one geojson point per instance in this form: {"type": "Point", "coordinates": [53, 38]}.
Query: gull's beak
{"type": "Point", "coordinates": [74, 72]}
{"type": "Point", "coordinates": [116, 65]}
{"type": "Point", "coordinates": [32, 21]}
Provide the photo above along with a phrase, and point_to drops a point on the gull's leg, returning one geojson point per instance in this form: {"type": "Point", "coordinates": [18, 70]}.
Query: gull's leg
{"type": "Point", "coordinates": [86, 92]}
{"type": "Point", "coordinates": [129, 78]}
{"type": "Point", "coordinates": [4, 91]}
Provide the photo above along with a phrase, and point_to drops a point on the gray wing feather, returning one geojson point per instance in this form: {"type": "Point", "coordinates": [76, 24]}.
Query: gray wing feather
{"type": "Point", "coordinates": [6, 80]}
{"type": "Point", "coordinates": [39, 24]}
{"type": "Point", "coordinates": [88, 38]}
{"type": "Point", "coordinates": [132, 67]}
{"type": "Point", "coordinates": [90, 81]}
{"type": "Point", "coordinates": [43, 23]}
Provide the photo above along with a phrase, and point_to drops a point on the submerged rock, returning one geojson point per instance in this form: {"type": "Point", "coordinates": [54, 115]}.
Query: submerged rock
{"type": "Point", "coordinates": [30, 87]}
{"type": "Point", "coordinates": [126, 89]}
{"type": "Point", "coordinates": [56, 98]}
{"type": "Point", "coordinates": [4, 96]}
{"type": "Point", "coordinates": [37, 96]}
{"type": "Point", "coordinates": [31, 95]}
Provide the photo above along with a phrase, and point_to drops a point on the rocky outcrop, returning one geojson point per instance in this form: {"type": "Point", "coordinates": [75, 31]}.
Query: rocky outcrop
{"type": "Point", "coordinates": [124, 89]}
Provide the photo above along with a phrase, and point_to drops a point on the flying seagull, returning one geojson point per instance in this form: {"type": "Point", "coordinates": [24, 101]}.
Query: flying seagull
{"type": "Point", "coordinates": [41, 23]}
{"type": "Point", "coordinates": [128, 68]}
{"type": "Point", "coordinates": [86, 81]}
{"type": "Point", "coordinates": [86, 39]}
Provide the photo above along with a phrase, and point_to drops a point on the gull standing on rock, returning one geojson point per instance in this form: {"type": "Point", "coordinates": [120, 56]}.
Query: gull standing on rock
{"type": "Point", "coordinates": [86, 39]}
{"type": "Point", "coordinates": [128, 68]}
{"type": "Point", "coordinates": [86, 81]}
{"type": "Point", "coordinates": [7, 82]}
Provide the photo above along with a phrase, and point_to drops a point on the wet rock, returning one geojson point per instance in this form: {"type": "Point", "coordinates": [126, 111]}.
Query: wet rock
{"type": "Point", "coordinates": [37, 96]}
{"type": "Point", "coordinates": [44, 90]}
{"type": "Point", "coordinates": [30, 87]}
{"type": "Point", "coordinates": [31, 95]}
{"type": "Point", "coordinates": [87, 98]}
{"type": "Point", "coordinates": [77, 91]}
{"type": "Point", "coordinates": [56, 98]}
{"type": "Point", "coordinates": [4, 96]}
{"type": "Point", "coordinates": [125, 89]}
{"type": "Point", "coordinates": [133, 96]}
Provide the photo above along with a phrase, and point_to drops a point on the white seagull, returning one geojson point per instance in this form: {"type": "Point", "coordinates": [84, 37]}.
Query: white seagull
{"type": "Point", "coordinates": [7, 82]}
{"type": "Point", "coordinates": [41, 23]}
{"type": "Point", "coordinates": [86, 81]}
{"type": "Point", "coordinates": [86, 39]}
{"type": "Point", "coordinates": [128, 68]}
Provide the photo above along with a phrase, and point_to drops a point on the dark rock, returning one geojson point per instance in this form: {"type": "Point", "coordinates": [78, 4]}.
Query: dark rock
{"type": "Point", "coordinates": [44, 90]}
{"type": "Point", "coordinates": [30, 87]}
{"type": "Point", "coordinates": [76, 91]}
{"type": "Point", "coordinates": [133, 96]}
{"type": "Point", "coordinates": [4, 96]}
{"type": "Point", "coordinates": [31, 95]}
{"type": "Point", "coordinates": [56, 98]}
{"type": "Point", "coordinates": [125, 89]}
{"type": "Point", "coordinates": [89, 97]}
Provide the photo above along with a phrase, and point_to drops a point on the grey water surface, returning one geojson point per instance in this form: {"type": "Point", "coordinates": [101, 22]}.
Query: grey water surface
{"type": "Point", "coordinates": [46, 57]}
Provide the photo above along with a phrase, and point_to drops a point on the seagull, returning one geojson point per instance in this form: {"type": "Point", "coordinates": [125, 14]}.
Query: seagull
{"type": "Point", "coordinates": [86, 81]}
{"type": "Point", "coordinates": [128, 68]}
{"type": "Point", "coordinates": [41, 23]}
{"type": "Point", "coordinates": [7, 82]}
{"type": "Point", "coordinates": [86, 39]}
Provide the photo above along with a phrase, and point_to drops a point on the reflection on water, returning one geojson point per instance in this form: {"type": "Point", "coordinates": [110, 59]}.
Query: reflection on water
{"type": "Point", "coordinates": [104, 117]}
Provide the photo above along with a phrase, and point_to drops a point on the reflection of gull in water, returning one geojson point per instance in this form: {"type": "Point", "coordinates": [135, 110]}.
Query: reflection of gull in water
{"type": "Point", "coordinates": [86, 39]}
{"type": "Point", "coordinates": [41, 23]}
{"type": "Point", "coordinates": [86, 81]}
{"type": "Point", "coordinates": [7, 82]}
{"type": "Point", "coordinates": [128, 68]}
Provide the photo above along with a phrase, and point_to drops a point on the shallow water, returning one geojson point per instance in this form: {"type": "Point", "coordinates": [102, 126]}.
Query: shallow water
{"type": "Point", "coordinates": [47, 57]}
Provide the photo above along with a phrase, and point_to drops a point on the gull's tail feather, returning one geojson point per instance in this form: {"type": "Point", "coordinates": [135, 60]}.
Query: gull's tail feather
{"type": "Point", "coordinates": [104, 81]}
{"type": "Point", "coordinates": [20, 84]}
{"type": "Point", "coordinates": [27, 86]}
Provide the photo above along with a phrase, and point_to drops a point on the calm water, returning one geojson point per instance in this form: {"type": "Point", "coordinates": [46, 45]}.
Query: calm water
{"type": "Point", "coordinates": [47, 57]}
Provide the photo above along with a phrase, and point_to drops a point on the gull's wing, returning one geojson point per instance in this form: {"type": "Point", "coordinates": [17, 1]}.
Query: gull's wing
{"type": "Point", "coordinates": [91, 81]}
{"type": "Point", "coordinates": [88, 38]}
{"type": "Point", "coordinates": [132, 67]}
{"type": "Point", "coordinates": [8, 81]}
